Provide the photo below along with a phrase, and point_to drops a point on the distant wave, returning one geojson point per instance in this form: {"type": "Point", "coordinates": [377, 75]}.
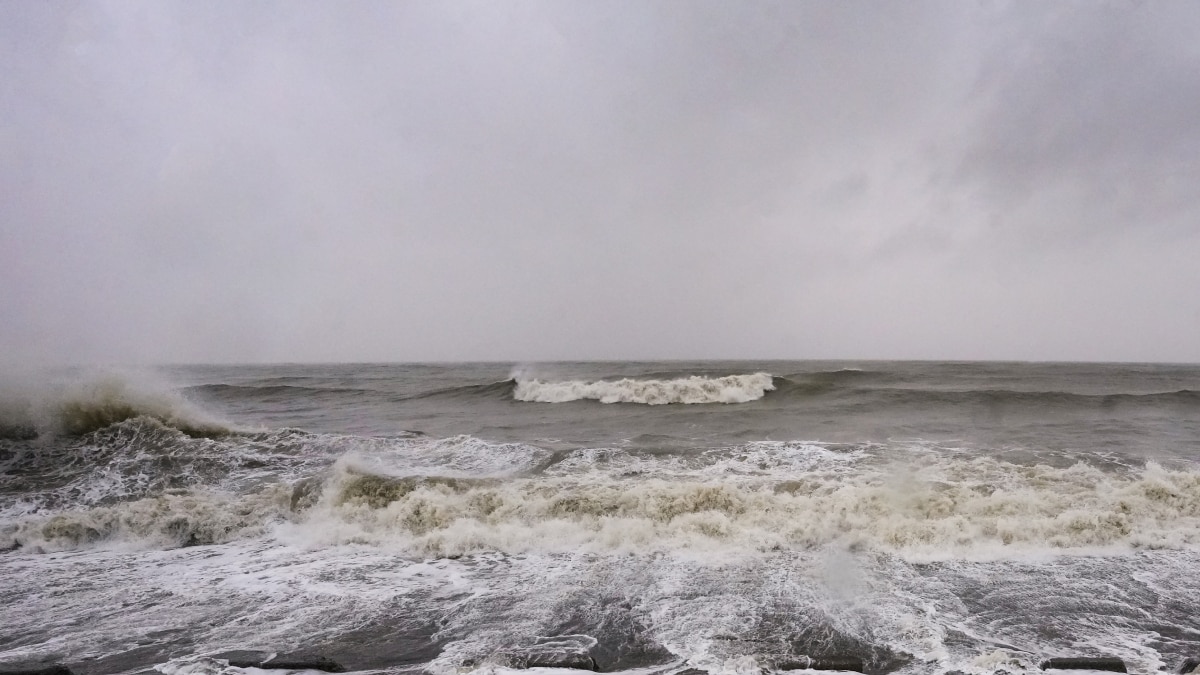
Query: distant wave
{"type": "Point", "coordinates": [492, 390]}
{"type": "Point", "coordinates": [991, 397]}
{"type": "Point", "coordinates": [94, 402]}
{"type": "Point", "coordinates": [866, 387]}
{"type": "Point", "coordinates": [275, 390]}
{"type": "Point", "coordinates": [688, 390]}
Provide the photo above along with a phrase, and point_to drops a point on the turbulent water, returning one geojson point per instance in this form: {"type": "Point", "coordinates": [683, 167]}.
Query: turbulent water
{"type": "Point", "coordinates": [654, 517]}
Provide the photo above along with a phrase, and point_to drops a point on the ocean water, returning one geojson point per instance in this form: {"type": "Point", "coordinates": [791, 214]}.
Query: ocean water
{"type": "Point", "coordinates": [652, 517]}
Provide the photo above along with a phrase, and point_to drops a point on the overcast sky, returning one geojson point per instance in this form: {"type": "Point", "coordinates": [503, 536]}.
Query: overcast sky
{"type": "Point", "coordinates": [396, 181]}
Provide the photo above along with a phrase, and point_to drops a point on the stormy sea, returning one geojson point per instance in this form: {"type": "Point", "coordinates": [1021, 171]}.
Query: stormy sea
{"type": "Point", "coordinates": [671, 517]}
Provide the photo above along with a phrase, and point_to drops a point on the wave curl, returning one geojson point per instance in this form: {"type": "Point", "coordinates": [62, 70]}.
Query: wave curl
{"type": "Point", "coordinates": [98, 401]}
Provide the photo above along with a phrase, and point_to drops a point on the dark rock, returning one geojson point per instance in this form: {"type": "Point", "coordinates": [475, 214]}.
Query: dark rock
{"type": "Point", "coordinates": [821, 641]}
{"type": "Point", "coordinates": [1189, 665]}
{"type": "Point", "coordinates": [303, 662]}
{"type": "Point", "coordinates": [38, 669]}
{"type": "Point", "coordinates": [621, 639]}
{"type": "Point", "coordinates": [137, 659]}
{"type": "Point", "coordinates": [244, 658]}
{"type": "Point", "coordinates": [1107, 663]}
{"type": "Point", "coordinates": [692, 671]}
{"type": "Point", "coordinates": [384, 644]}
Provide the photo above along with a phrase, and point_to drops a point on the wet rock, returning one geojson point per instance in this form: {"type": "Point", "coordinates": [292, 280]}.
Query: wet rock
{"type": "Point", "coordinates": [136, 660]}
{"type": "Point", "coordinates": [243, 656]}
{"type": "Point", "coordinates": [35, 669]}
{"type": "Point", "coordinates": [383, 644]}
{"type": "Point", "coordinates": [821, 641]}
{"type": "Point", "coordinates": [303, 662]}
{"type": "Point", "coordinates": [1189, 665]}
{"type": "Point", "coordinates": [1106, 663]}
{"type": "Point", "coordinates": [611, 631]}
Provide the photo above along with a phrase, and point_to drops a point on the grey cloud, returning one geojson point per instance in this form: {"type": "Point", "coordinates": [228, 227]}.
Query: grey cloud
{"type": "Point", "coordinates": [1089, 121]}
{"type": "Point", "coordinates": [395, 181]}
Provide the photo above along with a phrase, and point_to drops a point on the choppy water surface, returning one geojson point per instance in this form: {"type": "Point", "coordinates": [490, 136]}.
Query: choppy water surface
{"type": "Point", "coordinates": [654, 517]}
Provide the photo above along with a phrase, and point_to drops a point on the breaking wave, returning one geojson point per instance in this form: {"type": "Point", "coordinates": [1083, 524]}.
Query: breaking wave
{"type": "Point", "coordinates": [94, 402]}
{"type": "Point", "coordinates": [464, 495]}
{"type": "Point", "coordinates": [694, 389]}
{"type": "Point", "coordinates": [165, 521]}
{"type": "Point", "coordinates": [811, 498]}
{"type": "Point", "coordinates": [983, 508]}
{"type": "Point", "coordinates": [141, 457]}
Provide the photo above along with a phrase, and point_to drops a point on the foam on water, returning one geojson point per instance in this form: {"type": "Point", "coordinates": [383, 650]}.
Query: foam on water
{"type": "Point", "coordinates": [932, 508]}
{"type": "Point", "coordinates": [165, 521]}
{"type": "Point", "coordinates": [694, 389]}
{"type": "Point", "coordinates": [461, 455]}
{"type": "Point", "coordinates": [140, 483]}
{"type": "Point", "coordinates": [462, 495]}
{"type": "Point", "coordinates": [723, 613]}
{"type": "Point", "coordinates": [682, 547]}
{"type": "Point", "coordinates": [140, 457]}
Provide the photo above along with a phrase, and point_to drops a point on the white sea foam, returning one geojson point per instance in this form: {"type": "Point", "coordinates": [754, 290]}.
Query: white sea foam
{"type": "Point", "coordinates": [694, 389]}
{"type": "Point", "coordinates": [716, 613]}
{"type": "Point", "coordinates": [779, 459]}
{"type": "Point", "coordinates": [165, 521]}
{"type": "Point", "coordinates": [461, 455]}
{"type": "Point", "coordinates": [755, 499]}
{"type": "Point", "coordinates": [949, 508]}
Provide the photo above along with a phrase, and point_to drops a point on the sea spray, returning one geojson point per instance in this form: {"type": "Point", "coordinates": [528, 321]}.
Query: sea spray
{"type": "Point", "coordinates": [85, 402]}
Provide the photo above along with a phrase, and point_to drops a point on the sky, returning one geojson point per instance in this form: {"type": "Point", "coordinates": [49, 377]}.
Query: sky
{"type": "Point", "coordinates": [233, 181]}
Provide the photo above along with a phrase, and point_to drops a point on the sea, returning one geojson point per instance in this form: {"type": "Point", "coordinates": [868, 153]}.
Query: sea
{"type": "Point", "coordinates": [651, 518]}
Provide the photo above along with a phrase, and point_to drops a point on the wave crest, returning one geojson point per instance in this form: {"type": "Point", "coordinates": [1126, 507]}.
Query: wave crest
{"type": "Point", "coordinates": [687, 390]}
{"type": "Point", "coordinates": [981, 509]}
{"type": "Point", "coordinates": [194, 518]}
{"type": "Point", "coordinates": [98, 401]}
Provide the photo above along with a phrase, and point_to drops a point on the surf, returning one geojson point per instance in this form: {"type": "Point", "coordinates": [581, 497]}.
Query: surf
{"type": "Point", "coordinates": [695, 389]}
